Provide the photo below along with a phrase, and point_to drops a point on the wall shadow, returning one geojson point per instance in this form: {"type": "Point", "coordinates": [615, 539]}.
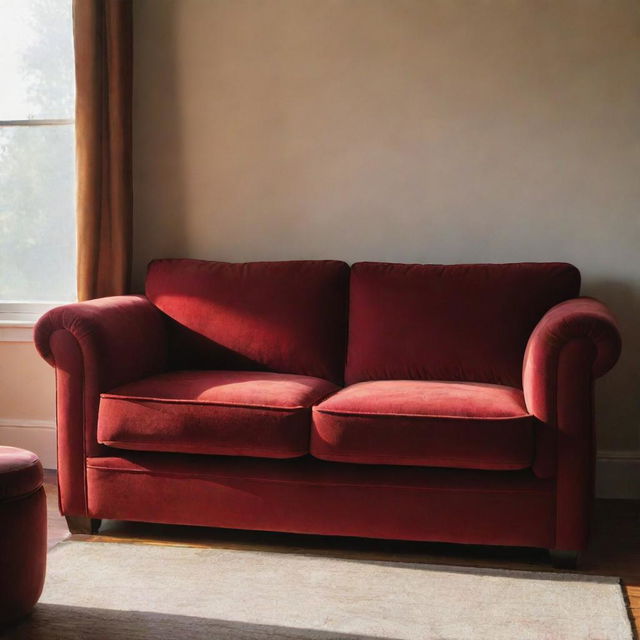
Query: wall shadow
{"type": "Point", "coordinates": [617, 397]}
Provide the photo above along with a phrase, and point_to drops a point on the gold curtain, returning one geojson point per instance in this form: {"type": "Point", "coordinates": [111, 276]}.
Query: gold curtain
{"type": "Point", "coordinates": [102, 33]}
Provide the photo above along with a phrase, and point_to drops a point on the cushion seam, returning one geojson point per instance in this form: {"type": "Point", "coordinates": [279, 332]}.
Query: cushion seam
{"type": "Point", "coordinates": [22, 467]}
{"type": "Point", "coordinates": [21, 496]}
{"type": "Point", "coordinates": [239, 405]}
{"type": "Point", "coordinates": [417, 415]}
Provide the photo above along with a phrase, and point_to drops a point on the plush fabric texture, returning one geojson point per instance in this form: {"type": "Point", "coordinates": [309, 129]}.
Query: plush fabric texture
{"type": "Point", "coordinates": [592, 325]}
{"type": "Point", "coordinates": [521, 430]}
{"type": "Point", "coordinates": [304, 495]}
{"type": "Point", "coordinates": [23, 532]}
{"type": "Point", "coordinates": [20, 472]}
{"type": "Point", "coordinates": [122, 338]}
{"type": "Point", "coordinates": [238, 413]}
{"type": "Point", "coordinates": [418, 422]}
{"type": "Point", "coordinates": [575, 445]}
{"type": "Point", "coordinates": [456, 322]}
{"type": "Point", "coordinates": [94, 346]}
{"type": "Point", "coordinates": [287, 317]}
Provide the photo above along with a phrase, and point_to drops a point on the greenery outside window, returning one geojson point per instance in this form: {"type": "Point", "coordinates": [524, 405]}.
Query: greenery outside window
{"type": "Point", "coordinates": [37, 163]}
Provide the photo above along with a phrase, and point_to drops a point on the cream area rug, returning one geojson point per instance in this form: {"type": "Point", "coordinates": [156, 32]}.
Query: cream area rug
{"type": "Point", "coordinates": [132, 591]}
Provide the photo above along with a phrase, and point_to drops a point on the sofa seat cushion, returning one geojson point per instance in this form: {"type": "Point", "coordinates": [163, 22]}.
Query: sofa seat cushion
{"type": "Point", "coordinates": [415, 422]}
{"type": "Point", "coordinates": [248, 413]}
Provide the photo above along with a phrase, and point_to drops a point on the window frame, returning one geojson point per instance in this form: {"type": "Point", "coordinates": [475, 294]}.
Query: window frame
{"type": "Point", "coordinates": [17, 317]}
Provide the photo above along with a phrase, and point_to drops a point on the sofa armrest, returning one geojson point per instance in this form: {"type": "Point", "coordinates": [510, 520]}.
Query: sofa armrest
{"type": "Point", "coordinates": [584, 320]}
{"type": "Point", "coordinates": [94, 346]}
{"type": "Point", "coordinates": [122, 338]}
{"type": "Point", "coordinates": [574, 343]}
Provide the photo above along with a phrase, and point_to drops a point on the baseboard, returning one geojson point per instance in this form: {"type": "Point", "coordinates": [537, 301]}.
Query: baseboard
{"type": "Point", "coordinates": [38, 436]}
{"type": "Point", "coordinates": [617, 472]}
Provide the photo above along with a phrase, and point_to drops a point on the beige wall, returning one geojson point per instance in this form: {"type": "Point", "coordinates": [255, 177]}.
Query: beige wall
{"type": "Point", "coordinates": [27, 400]}
{"type": "Point", "coordinates": [404, 130]}
{"type": "Point", "coordinates": [27, 383]}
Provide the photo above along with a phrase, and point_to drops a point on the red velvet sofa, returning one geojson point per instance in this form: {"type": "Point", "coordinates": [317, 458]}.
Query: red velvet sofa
{"type": "Point", "coordinates": [415, 402]}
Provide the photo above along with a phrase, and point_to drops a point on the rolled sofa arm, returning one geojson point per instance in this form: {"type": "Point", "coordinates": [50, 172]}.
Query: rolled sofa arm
{"type": "Point", "coordinates": [94, 347]}
{"type": "Point", "coordinates": [582, 319]}
{"type": "Point", "coordinates": [122, 338]}
{"type": "Point", "coordinates": [575, 342]}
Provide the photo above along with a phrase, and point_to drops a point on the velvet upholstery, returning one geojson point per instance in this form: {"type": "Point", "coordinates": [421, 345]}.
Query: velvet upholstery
{"type": "Point", "coordinates": [454, 322]}
{"type": "Point", "coordinates": [23, 533]}
{"type": "Point", "coordinates": [410, 327]}
{"type": "Point", "coordinates": [123, 338]}
{"type": "Point", "coordinates": [591, 324]}
{"type": "Point", "coordinates": [20, 472]}
{"type": "Point", "coordinates": [238, 413]}
{"type": "Point", "coordinates": [426, 423]}
{"type": "Point", "coordinates": [575, 445]}
{"type": "Point", "coordinates": [94, 346]}
{"type": "Point", "coordinates": [287, 317]}
{"type": "Point", "coordinates": [304, 495]}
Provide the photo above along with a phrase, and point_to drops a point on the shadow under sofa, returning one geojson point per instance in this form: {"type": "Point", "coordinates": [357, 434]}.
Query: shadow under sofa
{"type": "Point", "coordinates": [415, 402]}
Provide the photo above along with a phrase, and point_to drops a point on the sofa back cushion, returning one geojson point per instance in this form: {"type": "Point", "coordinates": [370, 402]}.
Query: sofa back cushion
{"type": "Point", "coordinates": [287, 317]}
{"type": "Point", "coordinates": [454, 322]}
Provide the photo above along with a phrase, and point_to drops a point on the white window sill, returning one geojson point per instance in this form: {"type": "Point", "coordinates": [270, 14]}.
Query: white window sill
{"type": "Point", "coordinates": [17, 319]}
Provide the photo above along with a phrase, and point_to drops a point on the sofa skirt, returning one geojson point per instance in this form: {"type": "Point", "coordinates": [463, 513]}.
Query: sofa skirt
{"type": "Point", "coordinates": [306, 495]}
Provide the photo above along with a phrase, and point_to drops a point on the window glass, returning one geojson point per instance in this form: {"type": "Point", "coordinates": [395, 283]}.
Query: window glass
{"type": "Point", "coordinates": [37, 226]}
{"type": "Point", "coordinates": [36, 59]}
{"type": "Point", "coordinates": [37, 173]}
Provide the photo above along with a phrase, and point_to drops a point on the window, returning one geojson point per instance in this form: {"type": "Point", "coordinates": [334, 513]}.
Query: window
{"type": "Point", "coordinates": [37, 163]}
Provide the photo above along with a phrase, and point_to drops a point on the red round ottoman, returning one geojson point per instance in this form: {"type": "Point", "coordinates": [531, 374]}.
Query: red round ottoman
{"type": "Point", "coordinates": [23, 532]}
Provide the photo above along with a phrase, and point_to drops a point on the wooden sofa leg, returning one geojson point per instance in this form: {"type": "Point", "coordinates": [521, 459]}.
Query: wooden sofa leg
{"type": "Point", "coordinates": [82, 524]}
{"type": "Point", "coordinates": [561, 559]}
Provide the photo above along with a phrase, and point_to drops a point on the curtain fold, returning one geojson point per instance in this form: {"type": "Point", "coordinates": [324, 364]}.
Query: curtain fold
{"type": "Point", "coordinates": [102, 33]}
